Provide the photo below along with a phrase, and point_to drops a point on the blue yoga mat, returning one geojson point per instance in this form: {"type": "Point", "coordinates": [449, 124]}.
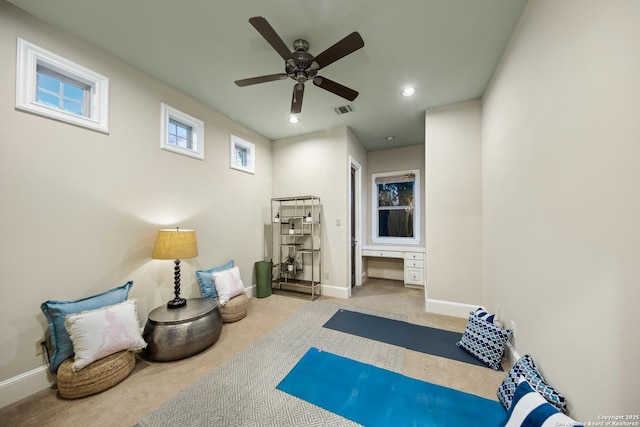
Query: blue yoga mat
{"type": "Point", "coordinates": [424, 339]}
{"type": "Point", "coordinates": [374, 396]}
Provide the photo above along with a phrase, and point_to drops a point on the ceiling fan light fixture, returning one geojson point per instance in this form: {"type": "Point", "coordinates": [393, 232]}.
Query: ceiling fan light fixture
{"type": "Point", "coordinates": [408, 91]}
{"type": "Point", "coordinates": [293, 119]}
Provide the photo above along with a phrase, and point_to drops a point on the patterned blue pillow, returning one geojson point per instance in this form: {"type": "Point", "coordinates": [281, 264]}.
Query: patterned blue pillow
{"type": "Point", "coordinates": [484, 340]}
{"type": "Point", "coordinates": [205, 280]}
{"type": "Point", "coordinates": [525, 367]}
{"type": "Point", "coordinates": [529, 409]}
{"type": "Point", "coordinates": [56, 311]}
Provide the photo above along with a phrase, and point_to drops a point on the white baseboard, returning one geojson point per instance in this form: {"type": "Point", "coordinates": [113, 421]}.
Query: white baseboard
{"type": "Point", "coordinates": [335, 291]}
{"type": "Point", "coordinates": [511, 354]}
{"type": "Point", "coordinates": [23, 385]}
{"type": "Point", "coordinates": [251, 291]}
{"type": "Point", "coordinates": [449, 308]}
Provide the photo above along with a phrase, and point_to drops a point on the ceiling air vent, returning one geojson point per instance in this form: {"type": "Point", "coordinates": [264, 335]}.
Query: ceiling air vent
{"type": "Point", "coordinates": [344, 109]}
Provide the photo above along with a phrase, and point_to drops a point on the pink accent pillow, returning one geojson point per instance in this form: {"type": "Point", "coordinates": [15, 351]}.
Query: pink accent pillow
{"type": "Point", "coordinates": [228, 284]}
{"type": "Point", "coordinates": [99, 333]}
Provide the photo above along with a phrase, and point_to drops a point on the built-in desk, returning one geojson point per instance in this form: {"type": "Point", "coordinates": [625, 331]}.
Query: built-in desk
{"type": "Point", "coordinates": [413, 260]}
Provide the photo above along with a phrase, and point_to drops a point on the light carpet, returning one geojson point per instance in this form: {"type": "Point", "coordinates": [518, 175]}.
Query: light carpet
{"type": "Point", "coordinates": [242, 392]}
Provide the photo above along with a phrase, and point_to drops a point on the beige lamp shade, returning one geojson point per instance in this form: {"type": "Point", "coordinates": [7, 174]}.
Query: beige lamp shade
{"type": "Point", "coordinates": [175, 244]}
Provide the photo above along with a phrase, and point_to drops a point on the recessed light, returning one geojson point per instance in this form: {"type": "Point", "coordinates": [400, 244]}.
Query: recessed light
{"type": "Point", "coordinates": [293, 119]}
{"type": "Point", "coordinates": [390, 138]}
{"type": "Point", "coordinates": [408, 91]}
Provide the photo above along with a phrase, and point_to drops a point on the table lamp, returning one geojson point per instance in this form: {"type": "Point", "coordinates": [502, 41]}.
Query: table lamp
{"type": "Point", "coordinates": [176, 245]}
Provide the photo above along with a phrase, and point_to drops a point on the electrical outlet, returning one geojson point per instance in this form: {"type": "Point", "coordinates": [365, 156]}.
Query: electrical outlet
{"type": "Point", "coordinates": [38, 348]}
{"type": "Point", "coordinates": [326, 275]}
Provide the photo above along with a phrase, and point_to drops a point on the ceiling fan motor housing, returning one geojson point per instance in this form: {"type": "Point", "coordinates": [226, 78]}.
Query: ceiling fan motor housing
{"type": "Point", "coordinates": [298, 66]}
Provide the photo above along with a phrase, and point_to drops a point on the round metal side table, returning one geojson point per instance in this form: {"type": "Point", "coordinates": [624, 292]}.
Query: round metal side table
{"type": "Point", "coordinates": [177, 333]}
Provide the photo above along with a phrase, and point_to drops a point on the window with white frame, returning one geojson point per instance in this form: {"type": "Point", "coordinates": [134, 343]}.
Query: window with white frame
{"type": "Point", "coordinates": [242, 154]}
{"type": "Point", "coordinates": [182, 133]}
{"type": "Point", "coordinates": [396, 207]}
{"type": "Point", "coordinates": [52, 86]}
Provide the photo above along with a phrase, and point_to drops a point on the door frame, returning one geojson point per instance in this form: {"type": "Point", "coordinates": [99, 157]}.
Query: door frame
{"type": "Point", "coordinates": [355, 217]}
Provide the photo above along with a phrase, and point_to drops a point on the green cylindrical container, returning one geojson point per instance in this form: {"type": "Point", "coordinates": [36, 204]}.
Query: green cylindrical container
{"type": "Point", "coordinates": [263, 279]}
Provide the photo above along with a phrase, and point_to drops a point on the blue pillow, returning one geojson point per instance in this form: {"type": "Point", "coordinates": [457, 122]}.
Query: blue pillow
{"type": "Point", "coordinates": [484, 340]}
{"type": "Point", "coordinates": [525, 367]}
{"type": "Point", "coordinates": [56, 311]}
{"type": "Point", "coordinates": [205, 280]}
{"type": "Point", "coordinates": [530, 409]}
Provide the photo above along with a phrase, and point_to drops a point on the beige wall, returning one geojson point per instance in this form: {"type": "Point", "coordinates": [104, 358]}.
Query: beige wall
{"type": "Point", "coordinates": [317, 164]}
{"type": "Point", "coordinates": [454, 203]}
{"type": "Point", "coordinates": [81, 209]}
{"type": "Point", "coordinates": [396, 159]}
{"type": "Point", "coordinates": [561, 198]}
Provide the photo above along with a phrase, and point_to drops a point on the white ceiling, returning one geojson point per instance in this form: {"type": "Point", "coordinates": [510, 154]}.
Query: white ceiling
{"type": "Point", "coordinates": [447, 49]}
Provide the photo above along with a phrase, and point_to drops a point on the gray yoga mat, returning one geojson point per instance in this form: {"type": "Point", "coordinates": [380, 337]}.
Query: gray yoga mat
{"type": "Point", "coordinates": [424, 339]}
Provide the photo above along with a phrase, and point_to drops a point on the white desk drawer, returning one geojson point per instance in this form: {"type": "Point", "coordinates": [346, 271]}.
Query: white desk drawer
{"type": "Point", "coordinates": [413, 264]}
{"type": "Point", "coordinates": [384, 254]}
{"type": "Point", "coordinates": [412, 276]}
{"type": "Point", "coordinates": [416, 256]}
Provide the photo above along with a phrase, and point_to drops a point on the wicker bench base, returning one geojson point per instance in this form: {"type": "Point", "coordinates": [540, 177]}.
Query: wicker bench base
{"type": "Point", "coordinates": [235, 309]}
{"type": "Point", "coordinates": [96, 377]}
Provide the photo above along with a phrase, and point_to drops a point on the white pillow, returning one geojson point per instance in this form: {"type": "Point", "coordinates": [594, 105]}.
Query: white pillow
{"type": "Point", "coordinates": [228, 284]}
{"type": "Point", "coordinates": [99, 333]}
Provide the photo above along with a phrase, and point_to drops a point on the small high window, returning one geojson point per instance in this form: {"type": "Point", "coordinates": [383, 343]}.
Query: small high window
{"type": "Point", "coordinates": [182, 133]}
{"type": "Point", "coordinates": [242, 154]}
{"type": "Point", "coordinates": [396, 207]}
{"type": "Point", "coordinates": [52, 86]}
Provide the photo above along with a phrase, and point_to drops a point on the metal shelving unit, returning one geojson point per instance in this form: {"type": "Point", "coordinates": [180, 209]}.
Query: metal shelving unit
{"type": "Point", "coordinates": [297, 240]}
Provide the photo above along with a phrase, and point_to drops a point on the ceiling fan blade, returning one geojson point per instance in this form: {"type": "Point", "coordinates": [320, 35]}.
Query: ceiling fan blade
{"type": "Point", "coordinates": [270, 35]}
{"type": "Point", "coordinates": [296, 100]}
{"type": "Point", "coordinates": [336, 88]}
{"type": "Point", "coordinates": [344, 47]}
{"type": "Point", "coordinates": [261, 79]}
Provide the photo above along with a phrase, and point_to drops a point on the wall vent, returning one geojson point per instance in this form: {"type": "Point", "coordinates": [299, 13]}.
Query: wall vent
{"type": "Point", "coordinates": [344, 109]}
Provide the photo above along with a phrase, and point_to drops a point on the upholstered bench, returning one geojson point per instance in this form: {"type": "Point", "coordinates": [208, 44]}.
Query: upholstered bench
{"type": "Point", "coordinates": [235, 309]}
{"type": "Point", "coordinates": [95, 377]}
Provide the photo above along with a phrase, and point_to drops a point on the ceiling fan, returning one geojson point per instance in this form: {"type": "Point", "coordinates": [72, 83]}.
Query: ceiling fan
{"type": "Point", "coordinates": [301, 66]}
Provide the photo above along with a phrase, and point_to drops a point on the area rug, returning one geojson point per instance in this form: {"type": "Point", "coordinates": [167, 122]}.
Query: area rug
{"type": "Point", "coordinates": [378, 397]}
{"type": "Point", "coordinates": [242, 391]}
{"type": "Point", "coordinates": [424, 339]}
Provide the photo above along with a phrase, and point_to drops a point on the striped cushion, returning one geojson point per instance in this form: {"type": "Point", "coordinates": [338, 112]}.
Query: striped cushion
{"type": "Point", "coordinates": [529, 409]}
{"type": "Point", "coordinates": [482, 313]}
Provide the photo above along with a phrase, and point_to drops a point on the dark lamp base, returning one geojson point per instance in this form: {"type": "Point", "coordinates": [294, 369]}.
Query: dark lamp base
{"type": "Point", "coordinates": [177, 303]}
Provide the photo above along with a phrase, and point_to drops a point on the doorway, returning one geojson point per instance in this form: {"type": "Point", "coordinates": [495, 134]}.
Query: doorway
{"type": "Point", "coordinates": [355, 201]}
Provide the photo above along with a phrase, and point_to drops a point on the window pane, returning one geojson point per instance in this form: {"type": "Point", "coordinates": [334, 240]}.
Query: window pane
{"type": "Point", "coordinates": [48, 99]}
{"type": "Point", "coordinates": [180, 134]}
{"type": "Point", "coordinates": [241, 156]}
{"type": "Point", "coordinates": [48, 83]}
{"type": "Point", "coordinates": [73, 92]}
{"type": "Point", "coordinates": [73, 107]}
{"type": "Point", "coordinates": [395, 194]}
{"type": "Point", "coordinates": [395, 222]}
